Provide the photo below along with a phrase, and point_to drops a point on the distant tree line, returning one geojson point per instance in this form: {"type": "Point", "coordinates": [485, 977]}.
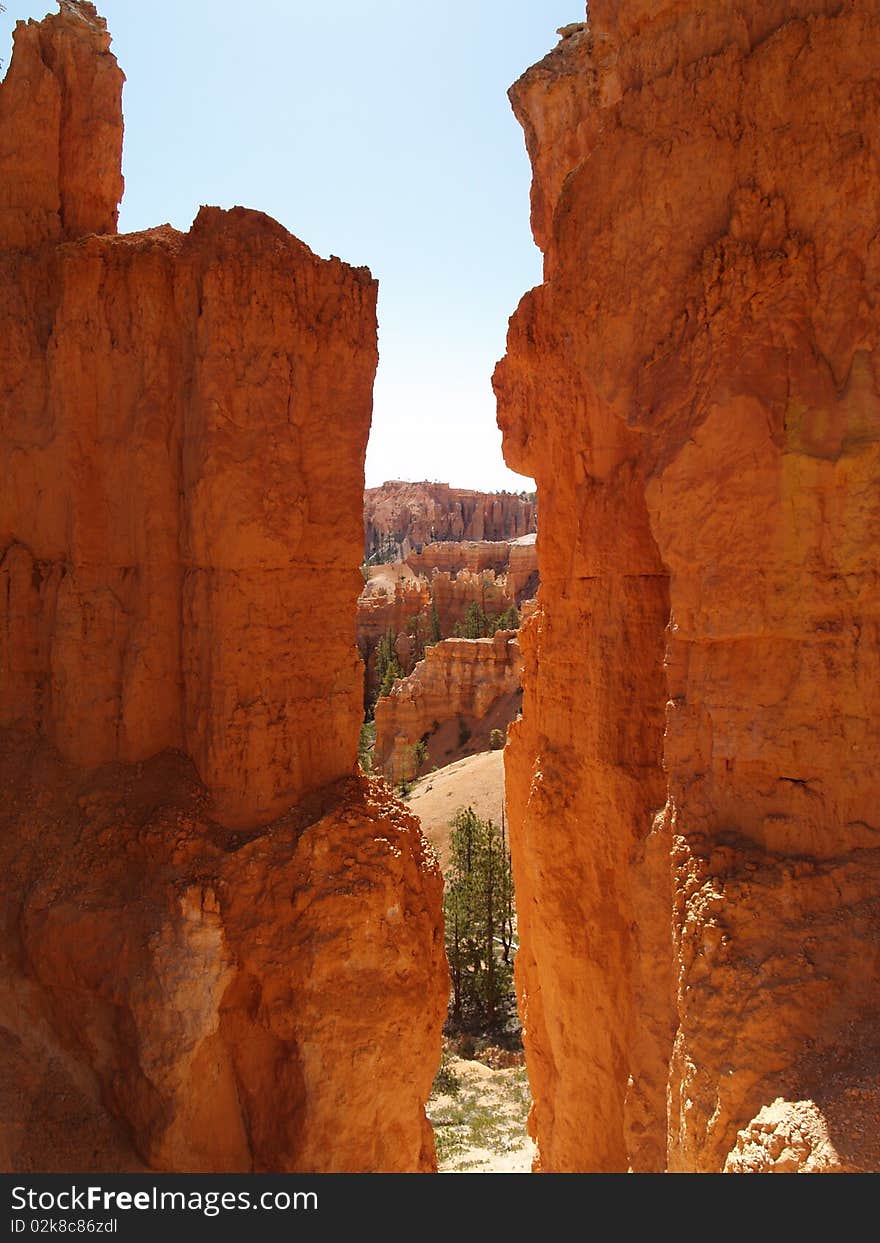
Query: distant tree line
{"type": "Point", "coordinates": [478, 624]}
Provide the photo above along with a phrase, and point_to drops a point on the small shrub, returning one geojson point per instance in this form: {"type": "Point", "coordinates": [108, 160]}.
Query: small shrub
{"type": "Point", "coordinates": [446, 1081]}
{"type": "Point", "coordinates": [496, 739]}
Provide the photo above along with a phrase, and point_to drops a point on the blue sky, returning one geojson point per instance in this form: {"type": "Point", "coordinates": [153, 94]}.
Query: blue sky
{"type": "Point", "coordinates": [376, 130]}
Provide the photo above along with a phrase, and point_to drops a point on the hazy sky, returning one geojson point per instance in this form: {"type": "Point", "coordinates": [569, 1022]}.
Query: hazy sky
{"type": "Point", "coordinates": [376, 130]}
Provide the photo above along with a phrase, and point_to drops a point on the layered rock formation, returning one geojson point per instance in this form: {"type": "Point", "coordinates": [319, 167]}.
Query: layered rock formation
{"type": "Point", "coordinates": [453, 594]}
{"type": "Point", "coordinates": [182, 432]}
{"type": "Point", "coordinates": [451, 557]}
{"type": "Point", "coordinates": [453, 699]}
{"type": "Point", "coordinates": [522, 569]}
{"type": "Point", "coordinates": [516, 560]}
{"type": "Point", "coordinates": [693, 788]}
{"type": "Point", "coordinates": [406, 515]}
{"type": "Point", "coordinates": [429, 594]}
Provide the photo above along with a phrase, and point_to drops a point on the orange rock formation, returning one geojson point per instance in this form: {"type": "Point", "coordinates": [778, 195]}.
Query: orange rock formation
{"type": "Point", "coordinates": [693, 788]}
{"type": "Point", "coordinates": [431, 591]}
{"type": "Point", "coordinates": [453, 699]}
{"type": "Point", "coordinates": [176, 995]}
{"type": "Point", "coordinates": [451, 557]}
{"type": "Point", "coordinates": [411, 514]}
{"type": "Point", "coordinates": [184, 421]}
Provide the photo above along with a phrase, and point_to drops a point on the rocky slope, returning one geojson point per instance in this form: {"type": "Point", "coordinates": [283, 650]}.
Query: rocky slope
{"type": "Point", "coordinates": [693, 789]}
{"type": "Point", "coordinates": [406, 515]}
{"type": "Point", "coordinates": [453, 699]}
{"type": "Point", "coordinates": [182, 431]}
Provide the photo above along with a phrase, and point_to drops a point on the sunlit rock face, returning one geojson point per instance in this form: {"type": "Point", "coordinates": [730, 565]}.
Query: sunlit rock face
{"type": "Point", "coordinates": [221, 947]}
{"type": "Point", "coordinates": [455, 697]}
{"type": "Point", "coordinates": [693, 788]}
{"type": "Point", "coordinates": [427, 596]}
{"type": "Point", "coordinates": [412, 514]}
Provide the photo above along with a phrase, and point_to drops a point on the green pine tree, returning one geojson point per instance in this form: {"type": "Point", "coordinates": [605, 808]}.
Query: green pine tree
{"type": "Point", "coordinates": [478, 910]}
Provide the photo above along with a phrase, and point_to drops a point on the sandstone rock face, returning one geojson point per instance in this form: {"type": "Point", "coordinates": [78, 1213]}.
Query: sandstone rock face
{"type": "Point", "coordinates": [167, 591]}
{"type": "Point", "coordinates": [411, 514]}
{"type": "Point", "coordinates": [693, 791]}
{"type": "Point", "coordinates": [193, 998]}
{"type": "Point", "coordinates": [522, 569]}
{"type": "Point", "coordinates": [183, 421]}
{"type": "Point", "coordinates": [450, 557]}
{"type": "Point", "coordinates": [785, 1138]}
{"type": "Point", "coordinates": [514, 559]}
{"type": "Point", "coordinates": [194, 563]}
{"type": "Point", "coordinates": [60, 132]}
{"type": "Point", "coordinates": [453, 699]}
{"type": "Point", "coordinates": [453, 594]}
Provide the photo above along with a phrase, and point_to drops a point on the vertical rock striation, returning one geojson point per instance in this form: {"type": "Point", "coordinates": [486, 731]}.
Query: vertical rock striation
{"type": "Point", "coordinates": [60, 131]}
{"type": "Point", "coordinates": [190, 572]}
{"type": "Point", "coordinates": [693, 788]}
{"type": "Point", "coordinates": [182, 433]}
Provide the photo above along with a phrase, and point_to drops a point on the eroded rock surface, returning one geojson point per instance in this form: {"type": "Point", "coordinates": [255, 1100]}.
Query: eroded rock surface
{"type": "Point", "coordinates": [406, 515]}
{"type": "Point", "coordinates": [695, 389]}
{"type": "Point", "coordinates": [426, 596]}
{"type": "Point", "coordinates": [197, 889]}
{"type": "Point", "coordinates": [453, 699]}
{"type": "Point", "coordinates": [184, 996]}
{"type": "Point", "coordinates": [189, 573]}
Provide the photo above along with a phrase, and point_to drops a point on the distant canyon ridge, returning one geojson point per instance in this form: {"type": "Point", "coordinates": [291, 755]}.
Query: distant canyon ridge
{"type": "Point", "coordinates": [400, 516]}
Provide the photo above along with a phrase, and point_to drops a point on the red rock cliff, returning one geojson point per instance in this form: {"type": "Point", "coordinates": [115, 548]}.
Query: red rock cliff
{"type": "Point", "coordinates": [60, 131]}
{"type": "Point", "coordinates": [194, 561]}
{"type": "Point", "coordinates": [425, 597]}
{"type": "Point", "coordinates": [695, 389]}
{"type": "Point", "coordinates": [182, 432]}
{"type": "Point", "coordinates": [404, 515]}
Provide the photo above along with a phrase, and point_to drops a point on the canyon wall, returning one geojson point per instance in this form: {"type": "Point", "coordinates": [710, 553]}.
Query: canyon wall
{"type": "Point", "coordinates": [693, 789]}
{"type": "Point", "coordinates": [450, 557]}
{"type": "Point", "coordinates": [515, 559]}
{"type": "Point", "coordinates": [453, 699]}
{"type": "Point", "coordinates": [407, 515]}
{"type": "Point", "coordinates": [196, 882]}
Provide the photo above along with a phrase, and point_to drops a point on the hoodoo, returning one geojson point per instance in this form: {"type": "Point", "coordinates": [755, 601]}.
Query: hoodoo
{"type": "Point", "coordinates": [220, 947]}
{"type": "Point", "coordinates": [693, 788]}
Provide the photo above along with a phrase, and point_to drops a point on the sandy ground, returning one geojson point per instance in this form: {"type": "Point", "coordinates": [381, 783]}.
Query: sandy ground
{"type": "Point", "coordinates": [481, 1127]}
{"type": "Point", "coordinates": [476, 781]}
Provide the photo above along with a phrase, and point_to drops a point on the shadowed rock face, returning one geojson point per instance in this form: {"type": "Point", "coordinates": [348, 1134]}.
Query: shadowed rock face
{"type": "Point", "coordinates": [183, 421]}
{"type": "Point", "coordinates": [693, 788]}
